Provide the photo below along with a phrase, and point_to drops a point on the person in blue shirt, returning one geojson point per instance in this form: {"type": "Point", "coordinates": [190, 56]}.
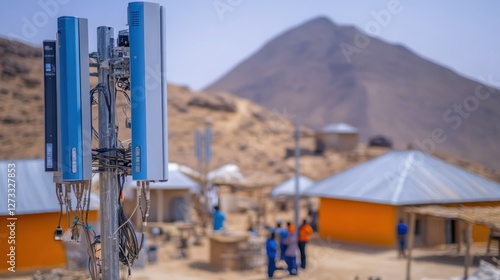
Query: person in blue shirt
{"type": "Point", "coordinates": [218, 219]}
{"type": "Point", "coordinates": [280, 234]}
{"type": "Point", "coordinates": [283, 246]}
{"type": "Point", "coordinates": [271, 248]}
{"type": "Point", "coordinates": [402, 230]}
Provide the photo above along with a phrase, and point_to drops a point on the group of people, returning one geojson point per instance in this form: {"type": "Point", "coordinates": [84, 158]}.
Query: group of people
{"type": "Point", "coordinates": [283, 244]}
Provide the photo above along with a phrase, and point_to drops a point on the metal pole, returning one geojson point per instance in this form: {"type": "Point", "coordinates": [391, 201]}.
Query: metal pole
{"type": "Point", "coordinates": [200, 206]}
{"type": "Point", "coordinates": [297, 174]}
{"type": "Point", "coordinates": [199, 155]}
{"type": "Point", "coordinates": [107, 140]}
{"type": "Point", "coordinates": [208, 156]}
{"type": "Point", "coordinates": [203, 180]}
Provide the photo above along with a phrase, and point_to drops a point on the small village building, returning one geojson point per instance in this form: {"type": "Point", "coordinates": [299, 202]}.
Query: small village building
{"type": "Point", "coordinates": [36, 216]}
{"type": "Point", "coordinates": [338, 136]}
{"type": "Point", "coordinates": [170, 200]}
{"type": "Point", "coordinates": [364, 203]}
{"type": "Point", "coordinates": [287, 188]}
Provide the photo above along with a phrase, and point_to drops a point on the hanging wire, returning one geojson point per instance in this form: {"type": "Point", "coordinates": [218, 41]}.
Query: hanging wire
{"type": "Point", "coordinates": [118, 160]}
{"type": "Point", "coordinates": [129, 247]}
{"type": "Point", "coordinates": [59, 194]}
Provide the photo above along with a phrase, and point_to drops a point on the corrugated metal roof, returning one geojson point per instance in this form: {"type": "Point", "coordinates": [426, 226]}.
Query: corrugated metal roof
{"type": "Point", "coordinates": [35, 189]}
{"type": "Point", "coordinates": [173, 166]}
{"type": "Point", "coordinates": [287, 188]}
{"type": "Point", "coordinates": [338, 128]}
{"type": "Point", "coordinates": [226, 173]}
{"type": "Point", "coordinates": [176, 181]}
{"type": "Point", "coordinates": [406, 178]}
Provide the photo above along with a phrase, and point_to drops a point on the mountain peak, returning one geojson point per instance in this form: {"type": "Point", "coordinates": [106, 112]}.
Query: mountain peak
{"type": "Point", "coordinates": [315, 26]}
{"type": "Point", "coordinates": [320, 21]}
{"type": "Point", "coordinates": [324, 73]}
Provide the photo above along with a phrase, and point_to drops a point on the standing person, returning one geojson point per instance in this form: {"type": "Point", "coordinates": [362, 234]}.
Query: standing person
{"type": "Point", "coordinates": [402, 230]}
{"type": "Point", "coordinates": [271, 248]}
{"type": "Point", "coordinates": [291, 249]}
{"type": "Point", "coordinates": [218, 219]}
{"type": "Point", "coordinates": [277, 230]}
{"type": "Point", "coordinates": [305, 234]}
{"type": "Point", "coordinates": [281, 234]}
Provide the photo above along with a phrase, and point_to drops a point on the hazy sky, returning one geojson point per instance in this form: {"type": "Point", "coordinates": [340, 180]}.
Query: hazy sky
{"type": "Point", "coordinates": [205, 42]}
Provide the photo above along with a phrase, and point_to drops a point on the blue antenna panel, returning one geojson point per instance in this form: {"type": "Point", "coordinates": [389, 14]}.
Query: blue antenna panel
{"type": "Point", "coordinates": [74, 99]}
{"type": "Point", "coordinates": [148, 91]}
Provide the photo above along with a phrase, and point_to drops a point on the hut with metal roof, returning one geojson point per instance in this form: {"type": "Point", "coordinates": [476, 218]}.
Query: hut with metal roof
{"type": "Point", "coordinates": [363, 204]}
{"type": "Point", "coordinates": [170, 200]}
{"type": "Point", "coordinates": [287, 188]}
{"type": "Point", "coordinates": [336, 136]}
{"type": "Point", "coordinates": [283, 193]}
{"type": "Point", "coordinates": [36, 216]}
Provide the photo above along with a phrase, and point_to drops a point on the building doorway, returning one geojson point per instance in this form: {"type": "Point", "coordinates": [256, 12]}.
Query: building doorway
{"type": "Point", "coordinates": [450, 228]}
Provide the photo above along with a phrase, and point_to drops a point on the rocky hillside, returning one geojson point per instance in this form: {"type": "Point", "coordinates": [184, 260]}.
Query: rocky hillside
{"type": "Point", "coordinates": [21, 100]}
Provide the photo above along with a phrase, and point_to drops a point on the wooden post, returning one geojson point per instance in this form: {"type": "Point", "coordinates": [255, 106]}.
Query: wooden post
{"type": "Point", "coordinates": [411, 236]}
{"type": "Point", "coordinates": [468, 258]}
{"type": "Point", "coordinates": [459, 235]}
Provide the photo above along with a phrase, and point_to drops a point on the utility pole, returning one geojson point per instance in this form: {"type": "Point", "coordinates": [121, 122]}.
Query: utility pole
{"type": "Point", "coordinates": [297, 135]}
{"type": "Point", "coordinates": [203, 151]}
{"type": "Point", "coordinates": [200, 156]}
{"type": "Point", "coordinates": [208, 158]}
{"type": "Point", "coordinates": [107, 141]}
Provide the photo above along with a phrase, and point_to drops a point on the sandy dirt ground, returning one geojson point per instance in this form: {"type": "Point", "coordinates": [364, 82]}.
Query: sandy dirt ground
{"type": "Point", "coordinates": [326, 260]}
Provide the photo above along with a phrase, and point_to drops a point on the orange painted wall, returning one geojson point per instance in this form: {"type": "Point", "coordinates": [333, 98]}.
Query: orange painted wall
{"type": "Point", "coordinates": [480, 233]}
{"type": "Point", "coordinates": [357, 222]}
{"type": "Point", "coordinates": [35, 244]}
{"type": "Point", "coordinates": [375, 224]}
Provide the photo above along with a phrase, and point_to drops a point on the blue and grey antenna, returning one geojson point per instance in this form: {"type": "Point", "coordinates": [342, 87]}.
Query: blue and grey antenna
{"type": "Point", "coordinates": [74, 85]}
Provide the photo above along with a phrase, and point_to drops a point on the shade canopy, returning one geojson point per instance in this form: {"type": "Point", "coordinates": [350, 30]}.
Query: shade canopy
{"type": "Point", "coordinates": [287, 188]}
